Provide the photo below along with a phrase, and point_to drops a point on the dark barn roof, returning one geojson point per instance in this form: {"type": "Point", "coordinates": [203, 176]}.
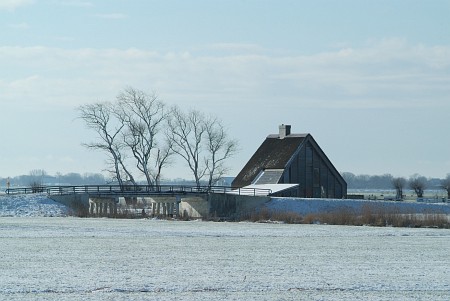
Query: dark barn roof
{"type": "Point", "coordinates": [274, 153]}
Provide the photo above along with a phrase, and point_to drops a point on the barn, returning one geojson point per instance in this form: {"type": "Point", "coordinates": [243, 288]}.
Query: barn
{"type": "Point", "coordinates": [297, 159]}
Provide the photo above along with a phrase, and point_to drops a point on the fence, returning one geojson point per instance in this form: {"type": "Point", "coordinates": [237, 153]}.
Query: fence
{"type": "Point", "coordinates": [136, 190]}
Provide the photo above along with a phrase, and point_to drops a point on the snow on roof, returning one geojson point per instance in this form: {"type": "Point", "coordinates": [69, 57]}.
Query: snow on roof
{"type": "Point", "coordinates": [262, 189]}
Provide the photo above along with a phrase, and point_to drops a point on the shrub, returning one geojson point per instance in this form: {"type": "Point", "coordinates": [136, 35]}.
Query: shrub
{"type": "Point", "coordinates": [36, 187]}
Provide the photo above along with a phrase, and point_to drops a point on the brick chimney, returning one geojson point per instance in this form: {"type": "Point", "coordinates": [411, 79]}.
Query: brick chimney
{"type": "Point", "coordinates": [285, 130]}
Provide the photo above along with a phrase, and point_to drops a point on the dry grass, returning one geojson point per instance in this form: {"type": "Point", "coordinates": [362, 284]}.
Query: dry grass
{"type": "Point", "coordinates": [78, 209]}
{"type": "Point", "coordinates": [264, 216]}
{"type": "Point", "coordinates": [370, 215]}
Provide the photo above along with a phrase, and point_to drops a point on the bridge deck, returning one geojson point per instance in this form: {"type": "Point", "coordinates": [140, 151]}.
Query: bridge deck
{"type": "Point", "coordinates": [136, 190]}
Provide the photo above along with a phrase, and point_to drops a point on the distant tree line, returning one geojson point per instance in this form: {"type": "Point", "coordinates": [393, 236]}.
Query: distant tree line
{"type": "Point", "coordinates": [140, 136]}
{"type": "Point", "coordinates": [416, 182]}
{"type": "Point", "coordinates": [39, 177]}
{"type": "Point", "coordinates": [367, 181]}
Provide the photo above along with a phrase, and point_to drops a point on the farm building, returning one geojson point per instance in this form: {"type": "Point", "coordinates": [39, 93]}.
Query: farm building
{"type": "Point", "coordinates": [286, 158]}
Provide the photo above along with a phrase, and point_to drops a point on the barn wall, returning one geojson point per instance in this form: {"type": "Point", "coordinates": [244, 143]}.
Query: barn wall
{"type": "Point", "coordinates": [315, 175]}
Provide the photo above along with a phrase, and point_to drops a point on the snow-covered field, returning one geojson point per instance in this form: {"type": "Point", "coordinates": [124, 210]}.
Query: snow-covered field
{"type": "Point", "coordinates": [66, 258]}
{"type": "Point", "coordinates": [46, 255]}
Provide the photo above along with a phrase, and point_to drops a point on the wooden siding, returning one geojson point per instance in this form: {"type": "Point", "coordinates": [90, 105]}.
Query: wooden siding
{"type": "Point", "coordinates": [315, 175]}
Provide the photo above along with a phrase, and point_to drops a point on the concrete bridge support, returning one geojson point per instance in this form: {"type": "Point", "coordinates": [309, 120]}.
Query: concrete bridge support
{"type": "Point", "coordinates": [102, 206]}
{"type": "Point", "coordinates": [153, 206]}
{"type": "Point", "coordinates": [164, 207]}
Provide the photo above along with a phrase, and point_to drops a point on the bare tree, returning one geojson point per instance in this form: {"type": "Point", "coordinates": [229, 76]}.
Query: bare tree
{"type": "Point", "coordinates": [143, 115]}
{"type": "Point", "coordinates": [445, 183]}
{"type": "Point", "coordinates": [417, 183]}
{"type": "Point", "coordinates": [135, 124]}
{"type": "Point", "coordinates": [202, 142]}
{"type": "Point", "coordinates": [163, 158]}
{"type": "Point", "coordinates": [219, 148]}
{"type": "Point", "coordinates": [186, 131]}
{"type": "Point", "coordinates": [99, 117]}
{"type": "Point", "coordinates": [399, 183]}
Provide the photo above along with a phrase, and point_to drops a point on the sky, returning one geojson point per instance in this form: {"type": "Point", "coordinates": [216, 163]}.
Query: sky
{"type": "Point", "coordinates": [369, 80]}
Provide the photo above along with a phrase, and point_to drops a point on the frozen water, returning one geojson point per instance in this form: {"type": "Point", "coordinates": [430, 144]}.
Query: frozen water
{"type": "Point", "coordinates": [106, 259]}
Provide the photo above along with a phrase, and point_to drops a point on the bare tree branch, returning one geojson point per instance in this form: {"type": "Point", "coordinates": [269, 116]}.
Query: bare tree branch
{"type": "Point", "coordinates": [202, 142]}
{"type": "Point", "coordinates": [445, 183]}
{"type": "Point", "coordinates": [135, 122]}
{"type": "Point", "coordinates": [143, 116]}
{"type": "Point", "coordinates": [417, 183]}
{"type": "Point", "coordinates": [186, 133]}
{"type": "Point", "coordinates": [399, 184]}
{"type": "Point", "coordinates": [99, 117]}
{"type": "Point", "coordinates": [219, 149]}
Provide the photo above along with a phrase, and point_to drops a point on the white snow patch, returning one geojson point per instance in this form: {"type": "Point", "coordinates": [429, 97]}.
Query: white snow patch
{"type": "Point", "coordinates": [30, 205]}
{"type": "Point", "coordinates": [307, 206]}
{"type": "Point", "coordinates": [262, 189]}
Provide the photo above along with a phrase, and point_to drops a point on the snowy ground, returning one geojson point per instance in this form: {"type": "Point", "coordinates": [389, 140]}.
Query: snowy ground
{"type": "Point", "coordinates": [30, 205]}
{"type": "Point", "coordinates": [67, 258]}
{"type": "Point", "coordinates": [105, 259]}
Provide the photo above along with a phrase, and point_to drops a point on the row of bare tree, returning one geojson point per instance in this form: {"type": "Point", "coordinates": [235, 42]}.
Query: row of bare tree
{"type": "Point", "coordinates": [418, 184]}
{"type": "Point", "coordinates": [140, 127]}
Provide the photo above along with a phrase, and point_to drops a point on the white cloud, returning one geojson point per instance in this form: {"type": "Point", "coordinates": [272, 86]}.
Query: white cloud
{"type": "Point", "coordinates": [249, 89]}
{"type": "Point", "coordinates": [388, 74]}
{"type": "Point", "coordinates": [13, 4]}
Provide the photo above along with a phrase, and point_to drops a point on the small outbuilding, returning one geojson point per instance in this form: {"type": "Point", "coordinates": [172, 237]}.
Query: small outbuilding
{"type": "Point", "coordinates": [286, 158]}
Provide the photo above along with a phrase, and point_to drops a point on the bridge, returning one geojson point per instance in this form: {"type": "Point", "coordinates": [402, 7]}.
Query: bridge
{"type": "Point", "coordinates": [164, 200]}
{"type": "Point", "coordinates": [135, 190]}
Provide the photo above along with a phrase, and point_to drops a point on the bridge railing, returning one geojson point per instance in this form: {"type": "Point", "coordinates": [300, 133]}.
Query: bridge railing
{"type": "Point", "coordinates": [136, 190]}
{"type": "Point", "coordinates": [24, 190]}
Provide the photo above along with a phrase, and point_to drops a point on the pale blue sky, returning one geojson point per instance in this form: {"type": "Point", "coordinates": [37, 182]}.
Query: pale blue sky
{"type": "Point", "coordinates": [370, 80]}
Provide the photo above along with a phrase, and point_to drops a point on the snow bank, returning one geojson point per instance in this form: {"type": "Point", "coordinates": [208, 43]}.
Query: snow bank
{"type": "Point", "coordinates": [30, 205]}
{"type": "Point", "coordinates": [312, 206]}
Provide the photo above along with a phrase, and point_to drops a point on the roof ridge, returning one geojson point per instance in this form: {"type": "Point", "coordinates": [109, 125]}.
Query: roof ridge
{"type": "Point", "coordinates": [298, 135]}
